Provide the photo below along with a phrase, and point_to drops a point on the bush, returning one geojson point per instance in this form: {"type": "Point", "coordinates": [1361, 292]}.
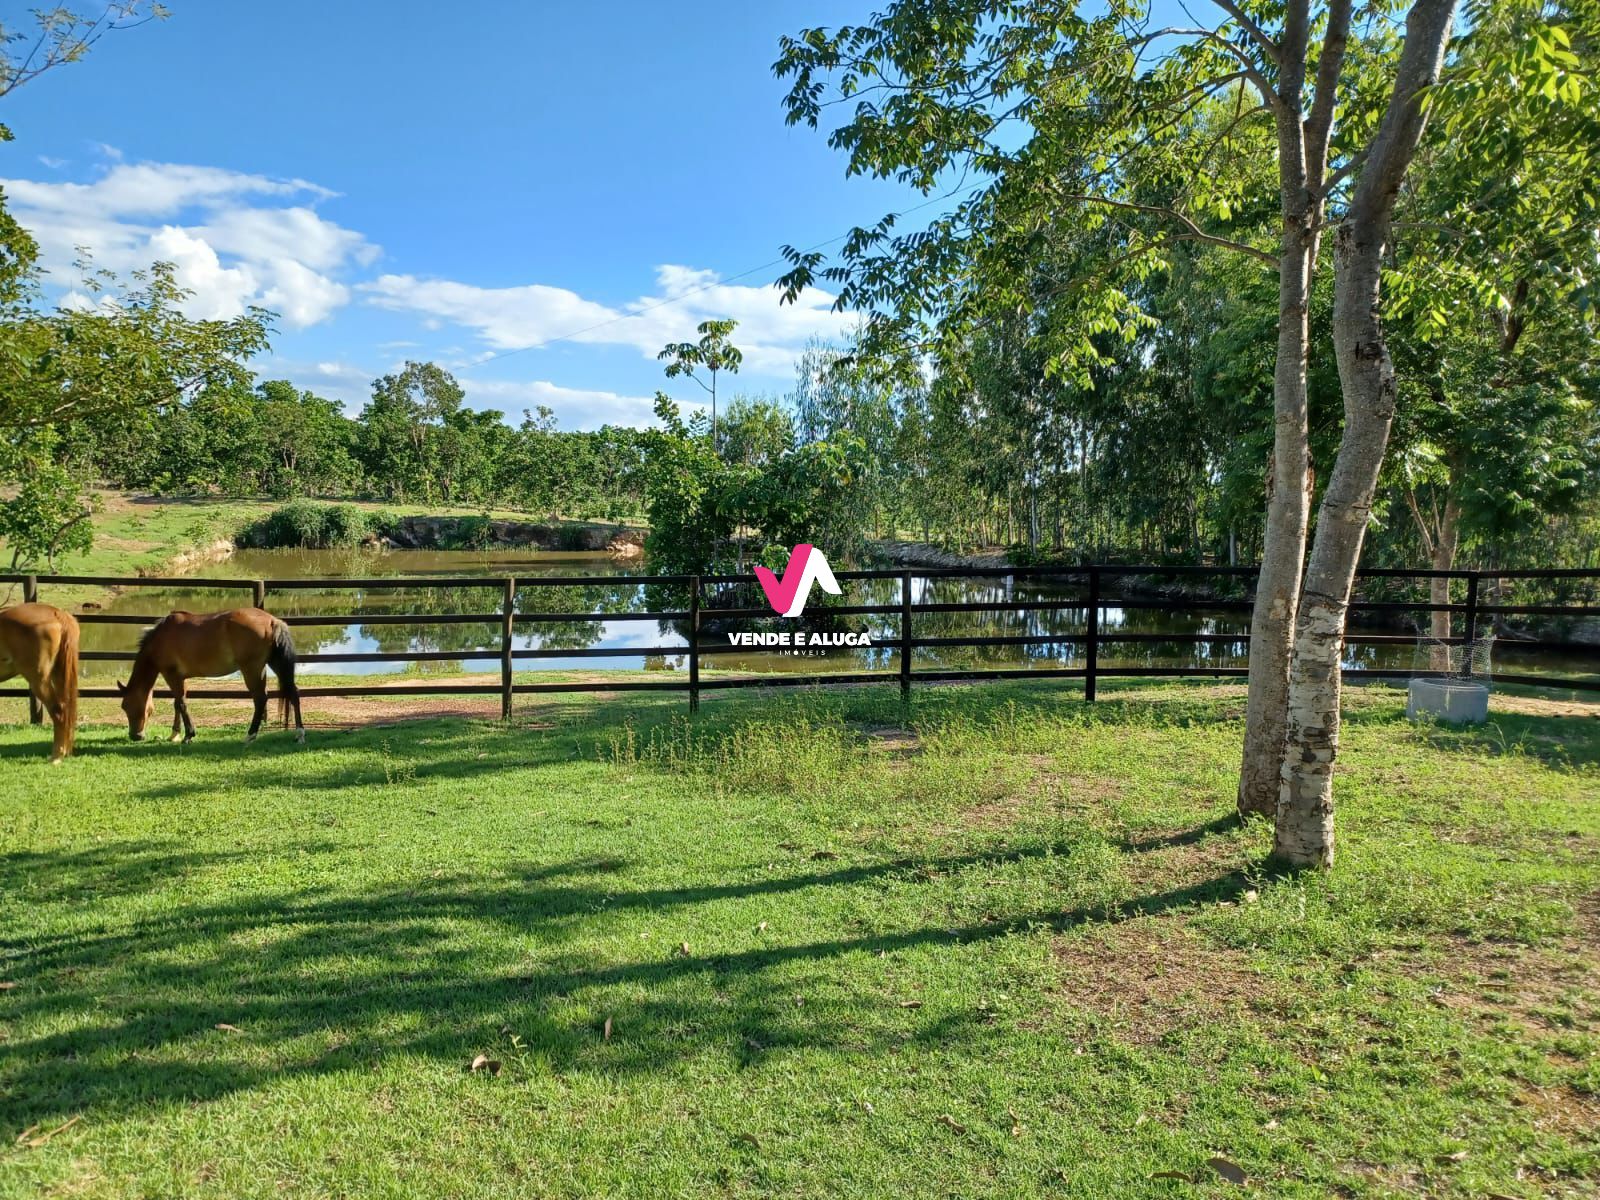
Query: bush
{"type": "Point", "coordinates": [345, 525]}
{"type": "Point", "coordinates": [309, 525]}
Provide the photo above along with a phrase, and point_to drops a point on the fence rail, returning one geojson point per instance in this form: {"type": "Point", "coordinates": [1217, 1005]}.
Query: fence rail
{"type": "Point", "coordinates": [1094, 578]}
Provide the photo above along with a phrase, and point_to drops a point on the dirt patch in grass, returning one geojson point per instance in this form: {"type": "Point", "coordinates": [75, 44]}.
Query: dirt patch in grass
{"type": "Point", "coordinates": [1043, 792]}
{"type": "Point", "coordinates": [1539, 706]}
{"type": "Point", "coordinates": [1547, 990]}
{"type": "Point", "coordinates": [891, 739]}
{"type": "Point", "coordinates": [131, 545]}
{"type": "Point", "coordinates": [1148, 978]}
{"type": "Point", "coordinates": [1561, 1110]}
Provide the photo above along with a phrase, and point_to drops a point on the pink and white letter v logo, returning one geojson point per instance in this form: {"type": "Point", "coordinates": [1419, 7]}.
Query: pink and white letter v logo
{"type": "Point", "coordinates": [806, 566]}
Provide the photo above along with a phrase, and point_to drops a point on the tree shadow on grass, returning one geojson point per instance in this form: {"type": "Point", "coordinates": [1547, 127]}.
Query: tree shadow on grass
{"type": "Point", "coordinates": [314, 981]}
{"type": "Point", "coordinates": [105, 870]}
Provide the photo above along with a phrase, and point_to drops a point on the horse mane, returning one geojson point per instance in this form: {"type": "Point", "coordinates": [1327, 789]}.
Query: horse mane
{"type": "Point", "coordinates": [144, 638]}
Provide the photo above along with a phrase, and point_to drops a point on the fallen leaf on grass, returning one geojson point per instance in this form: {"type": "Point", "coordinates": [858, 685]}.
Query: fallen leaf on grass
{"type": "Point", "coordinates": [605, 1034]}
{"type": "Point", "coordinates": [1230, 1171]}
{"type": "Point", "coordinates": [226, 1028]}
{"type": "Point", "coordinates": [31, 1140]}
{"type": "Point", "coordinates": [761, 928]}
{"type": "Point", "coordinates": [1183, 1175]}
{"type": "Point", "coordinates": [951, 1123]}
{"type": "Point", "coordinates": [824, 855]}
{"type": "Point", "coordinates": [749, 1139]}
{"type": "Point", "coordinates": [484, 1063]}
{"type": "Point", "coordinates": [6, 985]}
{"type": "Point", "coordinates": [911, 1004]}
{"type": "Point", "coordinates": [683, 949]}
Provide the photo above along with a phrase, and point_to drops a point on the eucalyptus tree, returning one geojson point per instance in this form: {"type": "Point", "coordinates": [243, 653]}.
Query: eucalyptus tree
{"type": "Point", "coordinates": [713, 353]}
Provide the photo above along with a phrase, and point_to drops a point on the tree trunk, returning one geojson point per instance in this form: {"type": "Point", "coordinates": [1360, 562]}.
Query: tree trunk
{"type": "Point", "coordinates": [1302, 164]}
{"type": "Point", "coordinates": [1303, 834]}
{"type": "Point", "coordinates": [1444, 559]}
{"type": "Point", "coordinates": [1284, 544]}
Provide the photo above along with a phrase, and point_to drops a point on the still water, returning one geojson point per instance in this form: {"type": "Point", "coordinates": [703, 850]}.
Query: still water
{"type": "Point", "coordinates": [474, 647]}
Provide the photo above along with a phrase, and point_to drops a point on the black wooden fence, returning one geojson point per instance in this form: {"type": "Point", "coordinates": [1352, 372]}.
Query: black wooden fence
{"type": "Point", "coordinates": [1099, 592]}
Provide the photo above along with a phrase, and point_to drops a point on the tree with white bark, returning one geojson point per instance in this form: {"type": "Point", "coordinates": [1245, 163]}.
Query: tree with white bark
{"type": "Point", "coordinates": [1048, 120]}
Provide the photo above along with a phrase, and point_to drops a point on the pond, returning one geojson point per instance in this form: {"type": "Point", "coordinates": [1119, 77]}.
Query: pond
{"type": "Point", "coordinates": [474, 647]}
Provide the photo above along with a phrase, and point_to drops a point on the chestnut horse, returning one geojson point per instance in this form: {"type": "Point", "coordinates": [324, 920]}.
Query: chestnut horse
{"type": "Point", "coordinates": [183, 645]}
{"type": "Point", "coordinates": [40, 643]}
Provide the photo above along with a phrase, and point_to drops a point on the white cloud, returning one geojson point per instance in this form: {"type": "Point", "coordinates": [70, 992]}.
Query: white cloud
{"type": "Point", "coordinates": [236, 239]}
{"type": "Point", "coordinates": [770, 335]}
{"type": "Point", "coordinates": [55, 164]}
{"type": "Point", "coordinates": [575, 408]}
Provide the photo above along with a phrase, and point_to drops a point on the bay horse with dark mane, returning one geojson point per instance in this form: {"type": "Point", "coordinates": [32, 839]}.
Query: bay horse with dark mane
{"type": "Point", "coordinates": [184, 645]}
{"type": "Point", "coordinates": [40, 643]}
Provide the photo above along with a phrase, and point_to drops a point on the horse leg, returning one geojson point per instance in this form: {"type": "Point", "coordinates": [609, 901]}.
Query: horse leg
{"type": "Point", "coordinates": [44, 691]}
{"type": "Point", "coordinates": [256, 681]}
{"type": "Point", "coordinates": [182, 723]}
{"type": "Point", "coordinates": [291, 699]}
{"type": "Point", "coordinates": [61, 725]}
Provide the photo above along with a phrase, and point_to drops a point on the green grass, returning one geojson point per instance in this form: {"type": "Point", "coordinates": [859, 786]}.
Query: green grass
{"type": "Point", "coordinates": [1013, 947]}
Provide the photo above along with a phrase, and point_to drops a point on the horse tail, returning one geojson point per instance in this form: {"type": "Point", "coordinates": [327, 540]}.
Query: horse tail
{"type": "Point", "coordinates": [66, 679]}
{"type": "Point", "coordinates": [281, 659]}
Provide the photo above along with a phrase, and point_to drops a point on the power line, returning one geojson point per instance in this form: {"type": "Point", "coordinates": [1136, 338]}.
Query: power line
{"type": "Point", "coordinates": [705, 287]}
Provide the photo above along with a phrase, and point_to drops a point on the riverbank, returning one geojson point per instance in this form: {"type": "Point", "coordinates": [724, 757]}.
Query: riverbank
{"type": "Point", "coordinates": [1002, 945]}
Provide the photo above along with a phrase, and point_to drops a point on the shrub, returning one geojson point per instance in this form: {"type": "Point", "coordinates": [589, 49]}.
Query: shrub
{"type": "Point", "coordinates": [344, 525]}
{"type": "Point", "coordinates": [309, 525]}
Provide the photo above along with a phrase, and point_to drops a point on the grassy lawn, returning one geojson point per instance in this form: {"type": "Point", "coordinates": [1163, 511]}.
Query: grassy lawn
{"type": "Point", "coordinates": [807, 945]}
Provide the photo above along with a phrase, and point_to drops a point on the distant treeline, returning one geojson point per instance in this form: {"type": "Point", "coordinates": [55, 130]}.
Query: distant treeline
{"type": "Point", "coordinates": [1162, 463]}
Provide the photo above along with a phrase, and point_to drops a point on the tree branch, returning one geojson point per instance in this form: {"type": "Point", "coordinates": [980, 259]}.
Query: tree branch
{"type": "Point", "coordinates": [1193, 232]}
{"type": "Point", "coordinates": [1330, 63]}
{"type": "Point", "coordinates": [1267, 45]}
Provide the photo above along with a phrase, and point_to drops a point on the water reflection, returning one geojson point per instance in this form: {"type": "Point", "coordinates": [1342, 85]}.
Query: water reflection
{"type": "Point", "coordinates": [657, 645]}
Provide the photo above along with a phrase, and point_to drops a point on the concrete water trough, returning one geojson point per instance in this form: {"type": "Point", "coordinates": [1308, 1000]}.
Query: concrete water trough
{"type": "Point", "coordinates": [1465, 701]}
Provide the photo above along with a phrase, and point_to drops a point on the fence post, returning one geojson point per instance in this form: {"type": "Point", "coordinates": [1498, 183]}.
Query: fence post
{"type": "Point", "coordinates": [30, 595]}
{"type": "Point", "coordinates": [905, 637]}
{"type": "Point", "coordinates": [258, 592]}
{"type": "Point", "coordinates": [1471, 624]}
{"type": "Point", "coordinates": [694, 644]}
{"type": "Point", "coordinates": [1091, 641]}
{"type": "Point", "coordinates": [508, 605]}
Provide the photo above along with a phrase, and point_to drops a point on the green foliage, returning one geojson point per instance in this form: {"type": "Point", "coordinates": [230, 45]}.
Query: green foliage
{"type": "Point", "coordinates": [310, 525]}
{"type": "Point", "coordinates": [713, 353]}
{"type": "Point", "coordinates": [132, 350]}
{"type": "Point", "coordinates": [46, 514]}
{"type": "Point", "coordinates": [705, 512]}
{"type": "Point", "coordinates": [470, 533]}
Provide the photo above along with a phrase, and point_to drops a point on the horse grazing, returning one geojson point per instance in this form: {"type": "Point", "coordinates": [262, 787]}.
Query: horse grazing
{"type": "Point", "coordinates": [40, 643]}
{"type": "Point", "coordinates": [183, 645]}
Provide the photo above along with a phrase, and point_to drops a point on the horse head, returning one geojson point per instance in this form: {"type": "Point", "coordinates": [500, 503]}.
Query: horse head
{"type": "Point", "coordinates": [137, 709]}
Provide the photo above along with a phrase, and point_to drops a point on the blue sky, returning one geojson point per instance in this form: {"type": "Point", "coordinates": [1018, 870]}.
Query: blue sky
{"type": "Point", "coordinates": [415, 180]}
